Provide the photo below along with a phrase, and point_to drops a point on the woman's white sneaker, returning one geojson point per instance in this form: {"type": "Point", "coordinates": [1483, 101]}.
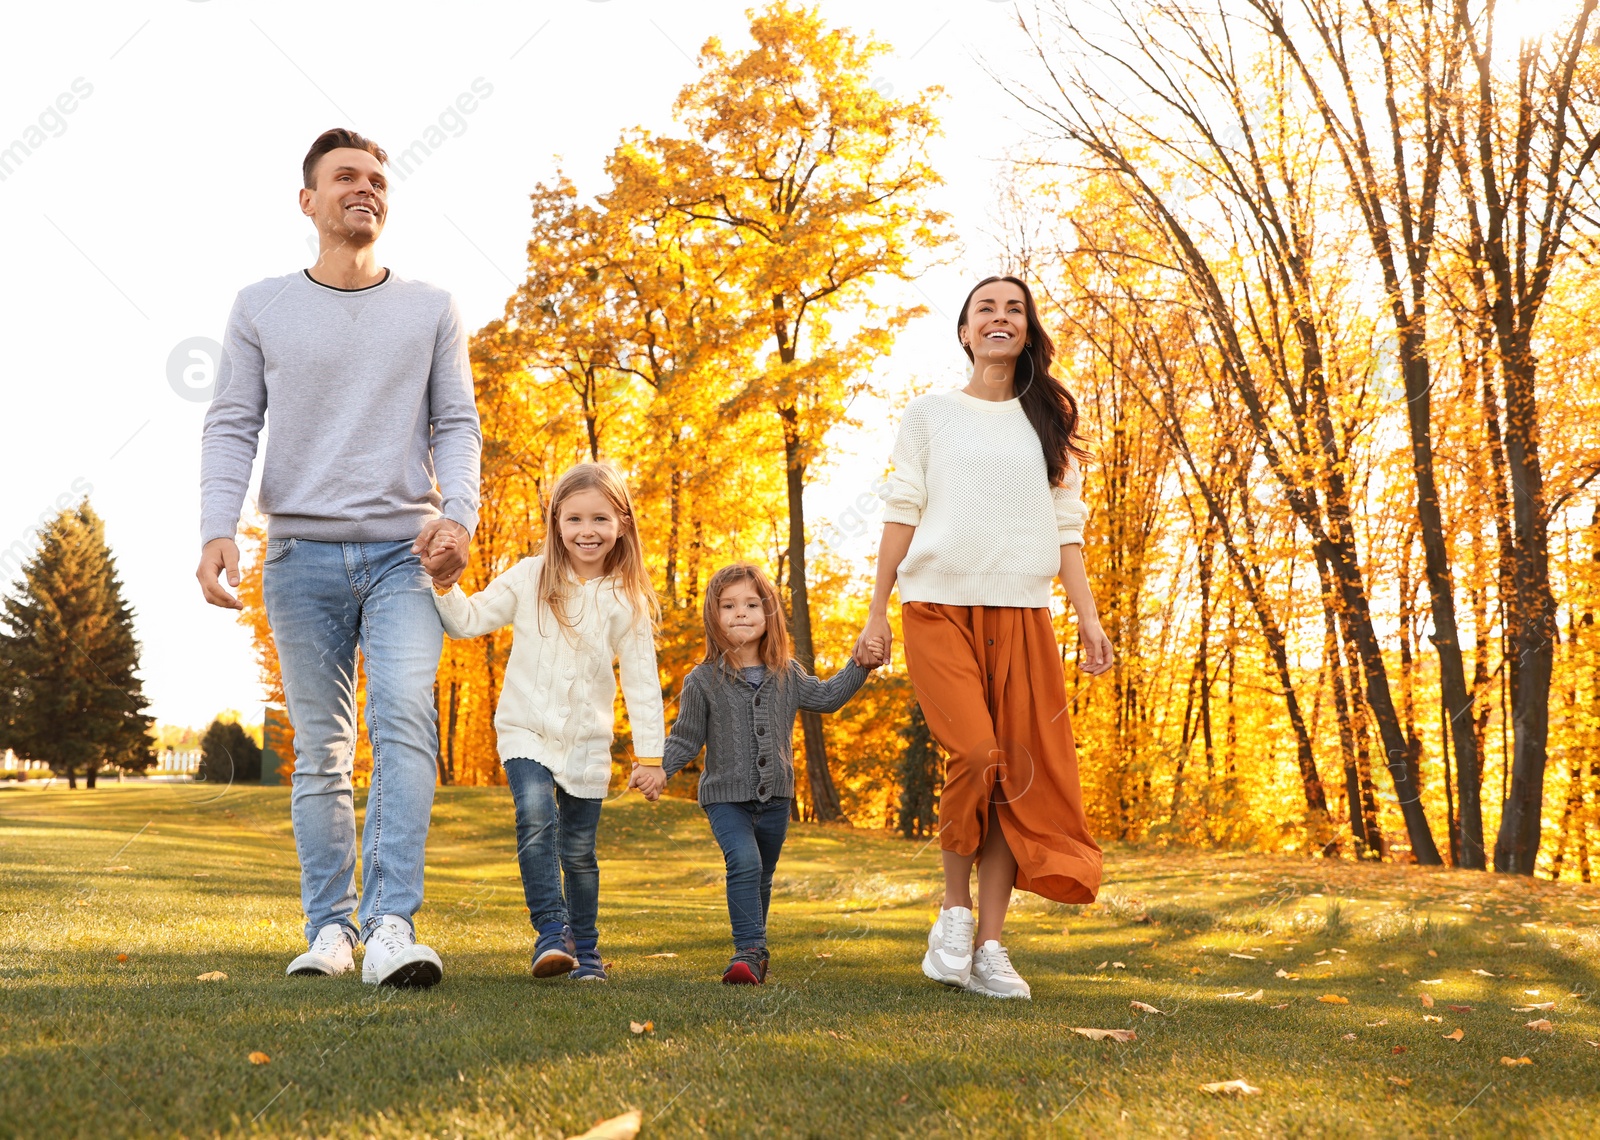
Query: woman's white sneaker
{"type": "Point", "coordinates": [395, 957]}
{"type": "Point", "coordinates": [332, 953]}
{"type": "Point", "coordinates": [949, 956]}
{"type": "Point", "coordinates": [994, 976]}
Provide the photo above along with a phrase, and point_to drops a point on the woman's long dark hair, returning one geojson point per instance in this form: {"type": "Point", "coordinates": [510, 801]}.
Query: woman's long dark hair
{"type": "Point", "coordinates": [1048, 405]}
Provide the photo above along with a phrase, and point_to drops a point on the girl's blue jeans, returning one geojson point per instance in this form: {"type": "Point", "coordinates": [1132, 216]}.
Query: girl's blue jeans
{"type": "Point", "coordinates": [751, 836]}
{"type": "Point", "coordinates": [555, 850]}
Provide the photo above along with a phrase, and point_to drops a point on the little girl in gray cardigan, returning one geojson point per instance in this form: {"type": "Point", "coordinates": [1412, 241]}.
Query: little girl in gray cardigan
{"type": "Point", "coordinates": [739, 704]}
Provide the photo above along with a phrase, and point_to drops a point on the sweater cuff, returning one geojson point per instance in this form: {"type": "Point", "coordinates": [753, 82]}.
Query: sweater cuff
{"type": "Point", "coordinates": [1072, 537]}
{"type": "Point", "coordinates": [907, 516]}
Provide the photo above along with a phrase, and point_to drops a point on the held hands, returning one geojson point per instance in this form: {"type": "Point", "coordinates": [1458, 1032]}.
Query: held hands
{"type": "Point", "coordinates": [443, 545]}
{"type": "Point", "coordinates": [650, 779]}
{"type": "Point", "coordinates": [876, 642]}
{"type": "Point", "coordinates": [216, 556]}
{"type": "Point", "coordinates": [1096, 648]}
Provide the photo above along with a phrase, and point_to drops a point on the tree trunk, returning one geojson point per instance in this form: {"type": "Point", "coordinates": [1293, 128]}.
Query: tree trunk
{"type": "Point", "coordinates": [824, 796]}
{"type": "Point", "coordinates": [90, 776]}
{"type": "Point", "coordinates": [1533, 637]}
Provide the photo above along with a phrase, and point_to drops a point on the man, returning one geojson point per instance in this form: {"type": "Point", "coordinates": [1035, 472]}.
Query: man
{"type": "Point", "coordinates": [366, 379]}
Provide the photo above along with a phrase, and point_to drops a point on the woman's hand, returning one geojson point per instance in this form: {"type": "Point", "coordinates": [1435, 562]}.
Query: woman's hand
{"type": "Point", "coordinates": [1096, 648]}
{"type": "Point", "coordinates": [876, 643]}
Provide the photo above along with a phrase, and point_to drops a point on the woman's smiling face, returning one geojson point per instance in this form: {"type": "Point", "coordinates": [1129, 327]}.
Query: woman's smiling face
{"type": "Point", "coordinates": [997, 322]}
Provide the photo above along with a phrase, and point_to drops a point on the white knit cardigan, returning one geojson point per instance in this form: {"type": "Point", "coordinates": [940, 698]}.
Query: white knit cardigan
{"type": "Point", "coordinates": [559, 691]}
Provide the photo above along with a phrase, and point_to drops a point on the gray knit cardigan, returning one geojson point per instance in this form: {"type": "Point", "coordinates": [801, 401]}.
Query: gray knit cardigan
{"type": "Point", "coordinates": [748, 733]}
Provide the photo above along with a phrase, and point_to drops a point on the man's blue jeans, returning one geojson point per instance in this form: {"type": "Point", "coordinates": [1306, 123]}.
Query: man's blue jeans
{"type": "Point", "coordinates": [324, 600]}
{"type": "Point", "coordinates": [555, 850]}
{"type": "Point", "coordinates": [751, 836]}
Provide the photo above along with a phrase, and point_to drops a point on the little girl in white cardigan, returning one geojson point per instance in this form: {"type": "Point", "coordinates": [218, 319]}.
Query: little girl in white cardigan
{"type": "Point", "coordinates": [582, 603]}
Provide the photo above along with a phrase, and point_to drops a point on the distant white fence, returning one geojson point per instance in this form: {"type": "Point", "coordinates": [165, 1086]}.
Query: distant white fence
{"type": "Point", "coordinates": [175, 762]}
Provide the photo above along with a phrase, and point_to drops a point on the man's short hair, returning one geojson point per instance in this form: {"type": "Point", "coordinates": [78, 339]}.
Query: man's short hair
{"type": "Point", "coordinates": [337, 139]}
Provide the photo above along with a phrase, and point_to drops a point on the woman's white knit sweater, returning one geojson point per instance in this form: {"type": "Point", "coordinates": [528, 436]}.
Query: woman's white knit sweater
{"type": "Point", "coordinates": [970, 475]}
{"type": "Point", "coordinates": [559, 691]}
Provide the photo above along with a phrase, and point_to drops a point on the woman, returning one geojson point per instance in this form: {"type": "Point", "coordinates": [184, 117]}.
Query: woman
{"type": "Point", "coordinates": [984, 510]}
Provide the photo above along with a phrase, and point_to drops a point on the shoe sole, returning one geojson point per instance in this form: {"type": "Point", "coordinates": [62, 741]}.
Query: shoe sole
{"type": "Point", "coordinates": [318, 972]}
{"type": "Point", "coordinates": [973, 987]}
{"type": "Point", "coordinates": [740, 974]}
{"type": "Point", "coordinates": [930, 970]}
{"type": "Point", "coordinates": [553, 963]}
{"type": "Point", "coordinates": [412, 975]}
{"type": "Point", "coordinates": [589, 978]}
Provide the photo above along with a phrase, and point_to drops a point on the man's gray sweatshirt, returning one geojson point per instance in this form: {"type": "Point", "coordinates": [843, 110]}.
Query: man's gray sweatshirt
{"type": "Point", "coordinates": [748, 733]}
{"type": "Point", "coordinates": [369, 397]}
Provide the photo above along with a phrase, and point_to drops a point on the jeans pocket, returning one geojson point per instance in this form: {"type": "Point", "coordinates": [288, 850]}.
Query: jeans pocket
{"type": "Point", "coordinates": [278, 549]}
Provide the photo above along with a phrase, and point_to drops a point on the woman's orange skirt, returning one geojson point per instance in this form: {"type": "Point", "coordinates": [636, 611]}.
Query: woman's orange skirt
{"type": "Point", "coordinates": [990, 683]}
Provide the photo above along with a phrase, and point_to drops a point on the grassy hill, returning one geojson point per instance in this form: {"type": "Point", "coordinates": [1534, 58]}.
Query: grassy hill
{"type": "Point", "coordinates": [113, 902]}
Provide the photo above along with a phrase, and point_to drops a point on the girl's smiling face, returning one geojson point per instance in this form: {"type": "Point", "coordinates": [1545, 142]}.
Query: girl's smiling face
{"type": "Point", "coordinates": [741, 617]}
{"type": "Point", "coordinates": [589, 529]}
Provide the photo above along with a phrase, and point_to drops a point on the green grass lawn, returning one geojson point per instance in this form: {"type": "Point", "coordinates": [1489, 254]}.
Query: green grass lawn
{"type": "Point", "coordinates": [112, 902]}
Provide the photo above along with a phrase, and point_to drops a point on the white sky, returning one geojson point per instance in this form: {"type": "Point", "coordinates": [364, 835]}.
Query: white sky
{"type": "Point", "coordinates": [172, 184]}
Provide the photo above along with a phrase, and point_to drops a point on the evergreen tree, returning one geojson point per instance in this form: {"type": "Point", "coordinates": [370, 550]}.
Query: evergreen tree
{"type": "Point", "coordinates": [228, 755]}
{"type": "Point", "coordinates": [919, 777]}
{"type": "Point", "coordinates": [70, 694]}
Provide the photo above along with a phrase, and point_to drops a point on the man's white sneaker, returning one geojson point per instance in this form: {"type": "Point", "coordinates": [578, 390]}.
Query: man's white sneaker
{"type": "Point", "coordinates": [331, 953]}
{"type": "Point", "coordinates": [994, 976]}
{"type": "Point", "coordinates": [396, 958]}
{"type": "Point", "coordinates": [949, 956]}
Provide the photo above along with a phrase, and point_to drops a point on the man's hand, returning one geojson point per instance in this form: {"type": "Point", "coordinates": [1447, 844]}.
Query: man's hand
{"type": "Point", "coordinates": [216, 556]}
{"type": "Point", "coordinates": [443, 545]}
{"type": "Point", "coordinates": [650, 779]}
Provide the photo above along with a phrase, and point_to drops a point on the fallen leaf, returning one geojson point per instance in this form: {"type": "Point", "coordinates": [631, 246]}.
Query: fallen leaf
{"type": "Point", "coordinates": [1143, 1008]}
{"type": "Point", "coordinates": [1456, 1036]}
{"type": "Point", "coordinates": [124, 958]}
{"type": "Point", "coordinates": [829, 955]}
{"type": "Point", "coordinates": [1403, 1082]}
{"type": "Point", "coordinates": [1431, 1017]}
{"type": "Point", "coordinates": [259, 1058]}
{"type": "Point", "coordinates": [1257, 996]}
{"type": "Point", "coordinates": [1322, 963]}
{"type": "Point", "coordinates": [1348, 1037]}
{"type": "Point", "coordinates": [1433, 953]}
{"type": "Point", "coordinates": [1596, 1044]}
{"type": "Point", "coordinates": [1112, 1034]}
{"type": "Point", "coordinates": [1427, 1001]}
{"type": "Point", "coordinates": [1461, 1008]}
{"type": "Point", "coordinates": [202, 874]}
{"type": "Point", "coordinates": [664, 955]}
{"type": "Point", "coordinates": [1398, 1049]}
{"type": "Point", "coordinates": [1231, 1088]}
{"type": "Point", "coordinates": [1541, 1026]}
{"type": "Point", "coordinates": [1531, 993]}
{"type": "Point", "coordinates": [1286, 974]}
{"type": "Point", "coordinates": [1118, 966]}
{"type": "Point", "coordinates": [1104, 964]}
{"type": "Point", "coordinates": [1246, 957]}
{"type": "Point", "coordinates": [1387, 965]}
{"type": "Point", "coordinates": [1516, 1060]}
{"type": "Point", "coordinates": [647, 1027]}
{"type": "Point", "coordinates": [1484, 973]}
{"type": "Point", "coordinates": [1432, 981]}
{"type": "Point", "coordinates": [1194, 969]}
{"type": "Point", "coordinates": [1516, 1009]}
{"type": "Point", "coordinates": [1334, 999]}
{"type": "Point", "coordinates": [120, 867]}
{"type": "Point", "coordinates": [1285, 1005]}
{"type": "Point", "coordinates": [624, 1127]}
{"type": "Point", "coordinates": [1236, 993]}
{"type": "Point", "coordinates": [212, 976]}
{"type": "Point", "coordinates": [1375, 1024]}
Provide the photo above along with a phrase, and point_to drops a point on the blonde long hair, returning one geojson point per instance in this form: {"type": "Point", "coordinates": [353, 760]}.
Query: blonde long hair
{"type": "Point", "coordinates": [775, 653]}
{"type": "Point", "coordinates": [624, 565]}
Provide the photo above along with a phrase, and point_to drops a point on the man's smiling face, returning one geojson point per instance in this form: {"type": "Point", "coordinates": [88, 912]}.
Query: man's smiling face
{"type": "Point", "coordinates": [351, 198]}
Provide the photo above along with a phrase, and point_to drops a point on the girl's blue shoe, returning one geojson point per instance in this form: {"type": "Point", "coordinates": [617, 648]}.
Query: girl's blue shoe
{"type": "Point", "coordinates": [590, 967]}
{"type": "Point", "coordinates": [554, 953]}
